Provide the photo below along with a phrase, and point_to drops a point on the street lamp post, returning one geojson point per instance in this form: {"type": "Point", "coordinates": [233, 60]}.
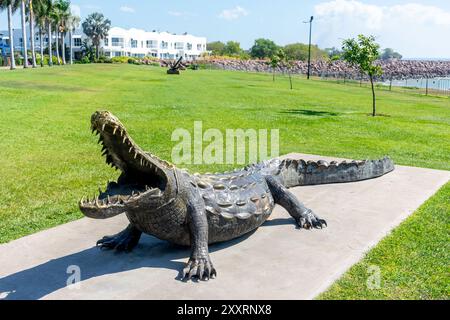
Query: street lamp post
{"type": "Point", "coordinates": [309, 50]}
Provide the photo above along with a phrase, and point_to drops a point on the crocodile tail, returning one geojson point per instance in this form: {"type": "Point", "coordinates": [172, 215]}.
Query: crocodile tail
{"type": "Point", "coordinates": [301, 173]}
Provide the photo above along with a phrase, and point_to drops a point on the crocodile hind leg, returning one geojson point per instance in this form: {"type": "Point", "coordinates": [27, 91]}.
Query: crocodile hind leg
{"type": "Point", "coordinates": [125, 240]}
{"type": "Point", "coordinates": [304, 217]}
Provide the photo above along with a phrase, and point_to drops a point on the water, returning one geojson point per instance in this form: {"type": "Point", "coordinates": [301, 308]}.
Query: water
{"type": "Point", "coordinates": [441, 84]}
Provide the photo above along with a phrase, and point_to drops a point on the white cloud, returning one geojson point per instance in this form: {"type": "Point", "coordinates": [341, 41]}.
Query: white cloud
{"type": "Point", "coordinates": [75, 10]}
{"type": "Point", "coordinates": [233, 14]}
{"type": "Point", "coordinates": [179, 14]}
{"type": "Point", "coordinates": [127, 9]}
{"type": "Point", "coordinates": [175, 13]}
{"type": "Point", "coordinates": [416, 30]}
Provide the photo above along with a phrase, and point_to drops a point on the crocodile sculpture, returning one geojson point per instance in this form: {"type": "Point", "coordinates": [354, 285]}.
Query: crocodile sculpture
{"type": "Point", "coordinates": [200, 209]}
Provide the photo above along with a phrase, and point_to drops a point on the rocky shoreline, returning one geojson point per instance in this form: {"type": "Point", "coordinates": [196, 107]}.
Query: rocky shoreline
{"type": "Point", "coordinates": [392, 69]}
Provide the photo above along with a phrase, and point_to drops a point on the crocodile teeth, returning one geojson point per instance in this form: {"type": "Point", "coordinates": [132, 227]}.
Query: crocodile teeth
{"type": "Point", "coordinates": [129, 151]}
{"type": "Point", "coordinates": [114, 131]}
{"type": "Point", "coordinates": [153, 191]}
{"type": "Point", "coordinates": [103, 127]}
{"type": "Point", "coordinates": [124, 138]}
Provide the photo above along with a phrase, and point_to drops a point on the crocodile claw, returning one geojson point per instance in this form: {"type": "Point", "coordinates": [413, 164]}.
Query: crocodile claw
{"type": "Point", "coordinates": [200, 268]}
{"type": "Point", "coordinates": [123, 241]}
{"type": "Point", "coordinates": [309, 221]}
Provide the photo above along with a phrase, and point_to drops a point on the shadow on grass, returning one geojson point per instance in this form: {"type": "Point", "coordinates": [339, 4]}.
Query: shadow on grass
{"type": "Point", "coordinates": [44, 87]}
{"type": "Point", "coordinates": [311, 113]}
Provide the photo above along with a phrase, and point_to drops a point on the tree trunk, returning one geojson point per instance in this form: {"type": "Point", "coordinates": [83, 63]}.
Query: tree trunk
{"type": "Point", "coordinates": [57, 46]}
{"type": "Point", "coordinates": [33, 49]}
{"type": "Point", "coordinates": [373, 97]}
{"type": "Point", "coordinates": [41, 43]}
{"type": "Point", "coordinates": [63, 48]}
{"type": "Point", "coordinates": [97, 51]}
{"type": "Point", "coordinates": [290, 78]}
{"type": "Point", "coordinates": [71, 45]}
{"type": "Point", "coordinates": [24, 35]}
{"type": "Point", "coordinates": [273, 75]}
{"type": "Point", "coordinates": [11, 38]}
{"type": "Point", "coordinates": [50, 54]}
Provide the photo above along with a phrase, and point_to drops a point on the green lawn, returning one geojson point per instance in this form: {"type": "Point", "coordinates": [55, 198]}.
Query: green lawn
{"type": "Point", "coordinates": [49, 158]}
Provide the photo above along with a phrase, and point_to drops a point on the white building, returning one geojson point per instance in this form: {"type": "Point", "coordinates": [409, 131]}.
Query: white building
{"type": "Point", "coordinates": [122, 42]}
{"type": "Point", "coordinates": [18, 41]}
{"type": "Point", "coordinates": [163, 45]}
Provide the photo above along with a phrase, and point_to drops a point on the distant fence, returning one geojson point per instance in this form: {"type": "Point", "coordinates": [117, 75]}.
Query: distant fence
{"type": "Point", "coordinates": [426, 86]}
{"type": "Point", "coordinates": [430, 86]}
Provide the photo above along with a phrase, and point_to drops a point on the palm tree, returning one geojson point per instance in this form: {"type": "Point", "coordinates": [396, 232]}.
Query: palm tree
{"type": "Point", "coordinates": [54, 20]}
{"type": "Point", "coordinates": [41, 9]}
{"type": "Point", "coordinates": [24, 34]}
{"type": "Point", "coordinates": [31, 21]}
{"type": "Point", "coordinates": [96, 27]}
{"type": "Point", "coordinates": [11, 6]}
{"type": "Point", "coordinates": [72, 24]}
{"type": "Point", "coordinates": [60, 14]}
{"type": "Point", "coordinates": [49, 20]}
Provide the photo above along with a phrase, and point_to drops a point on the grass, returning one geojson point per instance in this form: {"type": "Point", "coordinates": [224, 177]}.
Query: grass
{"type": "Point", "coordinates": [413, 259]}
{"type": "Point", "coordinates": [49, 158]}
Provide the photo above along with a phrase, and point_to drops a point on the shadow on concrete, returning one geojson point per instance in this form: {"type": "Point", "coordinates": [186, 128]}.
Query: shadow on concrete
{"type": "Point", "coordinates": [279, 222]}
{"type": "Point", "coordinates": [43, 279]}
{"type": "Point", "coordinates": [311, 113]}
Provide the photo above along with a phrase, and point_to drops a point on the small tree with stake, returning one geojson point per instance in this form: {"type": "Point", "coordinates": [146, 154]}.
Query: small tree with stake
{"type": "Point", "coordinates": [363, 52]}
{"type": "Point", "coordinates": [284, 59]}
{"type": "Point", "coordinates": [274, 63]}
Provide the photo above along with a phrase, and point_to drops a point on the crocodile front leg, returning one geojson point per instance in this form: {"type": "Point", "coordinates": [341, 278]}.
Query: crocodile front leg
{"type": "Point", "coordinates": [304, 217]}
{"type": "Point", "coordinates": [125, 240]}
{"type": "Point", "coordinates": [199, 264]}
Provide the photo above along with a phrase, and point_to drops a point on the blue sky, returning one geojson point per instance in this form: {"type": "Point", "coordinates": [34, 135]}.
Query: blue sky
{"type": "Point", "coordinates": [416, 28]}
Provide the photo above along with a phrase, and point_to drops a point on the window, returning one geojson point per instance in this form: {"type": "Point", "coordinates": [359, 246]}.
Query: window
{"type": "Point", "coordinates": [152, 44]}
{"type": "Point", "coordinates": [117, 42]}
{"type": "Point", "coordinates": [77, 42]}
{"type": "Point", "coordinates": [164, 45]}
{"type": "Point", "coordinates": [189, 46]}
{"type": "Point", "coordinates": [199, 47]}
{"type": "Point", "coordinates": [117, 54]}
{"type": "Point", "coordinates": [106, 42]}
{"type": "Point", "coordinates": [134, 43]}
{"type": "Point", "coordinates": [179, 45]}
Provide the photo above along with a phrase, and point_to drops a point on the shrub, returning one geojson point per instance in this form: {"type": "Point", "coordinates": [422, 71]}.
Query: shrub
{"type": "Point", "coordinates": [85, 60]}
{"type": "Point", "coordinates": [1, 61]}
{"type": "Point", "coordinates": [132, 61]}
{"type": "Point", "coordinates": [119, 59]}
{"type": "Point", "coordinates": [103, 59]}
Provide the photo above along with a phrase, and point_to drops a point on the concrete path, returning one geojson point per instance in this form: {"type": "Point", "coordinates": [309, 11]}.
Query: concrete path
{"type": "Point", "coordinates": [277, 261]}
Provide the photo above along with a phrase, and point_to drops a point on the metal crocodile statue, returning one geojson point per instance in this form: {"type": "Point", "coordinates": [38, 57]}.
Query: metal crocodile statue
{"type": "Point", "coordinates": [200, 209]}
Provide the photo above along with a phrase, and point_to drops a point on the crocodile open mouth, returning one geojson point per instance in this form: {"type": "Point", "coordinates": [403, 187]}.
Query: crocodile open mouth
{"type": "Point", "coordinates": [142, 173]}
